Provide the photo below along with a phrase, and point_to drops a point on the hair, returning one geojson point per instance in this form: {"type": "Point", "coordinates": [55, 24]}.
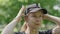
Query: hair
{"type": "Point", "coordinates": [24, 27]}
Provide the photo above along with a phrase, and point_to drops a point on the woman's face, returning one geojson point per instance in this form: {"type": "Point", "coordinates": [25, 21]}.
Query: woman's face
{"type": "Point", "coordinates": [35, 19]}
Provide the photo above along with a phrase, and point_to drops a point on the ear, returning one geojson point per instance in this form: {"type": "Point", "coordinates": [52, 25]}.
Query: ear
{"type": "Point", "coordinates": [26, 18]}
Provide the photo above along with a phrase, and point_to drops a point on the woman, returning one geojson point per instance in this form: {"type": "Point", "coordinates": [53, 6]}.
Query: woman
{"type": "Point", "coordinates": [33, 20]}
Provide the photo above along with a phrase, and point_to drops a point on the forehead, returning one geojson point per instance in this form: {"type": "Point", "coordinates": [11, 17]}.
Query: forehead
{"type": "Point", "coordinates": [36, 13]}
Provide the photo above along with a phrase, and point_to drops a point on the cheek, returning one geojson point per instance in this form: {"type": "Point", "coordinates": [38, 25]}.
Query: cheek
{"type": "Point", "coordinates": [35, 19]}
{"type": "Point", "coordinates": [31, 24]}
{"type": "Point", "coordinates": [31, 18]}
{"type": "Point", "coordinates": [38, 19]}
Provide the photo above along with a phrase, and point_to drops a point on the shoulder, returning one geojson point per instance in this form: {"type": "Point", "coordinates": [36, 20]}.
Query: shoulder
{"type": "Point", "coordinates": [46, 32]}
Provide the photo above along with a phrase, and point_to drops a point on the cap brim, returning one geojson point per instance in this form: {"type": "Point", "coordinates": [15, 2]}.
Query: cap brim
{"type": "Point", "coordinates": [35, 9]}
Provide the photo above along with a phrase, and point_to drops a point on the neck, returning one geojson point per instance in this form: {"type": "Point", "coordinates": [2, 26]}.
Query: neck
{"type": "Point", "coordinates": [31, 31]}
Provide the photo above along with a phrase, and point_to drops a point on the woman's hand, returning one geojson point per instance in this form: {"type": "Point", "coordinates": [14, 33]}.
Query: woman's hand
{"type": "Point", "coordinates": [10, 27]}
{"type": "Point", "coordinates": [20, 13]}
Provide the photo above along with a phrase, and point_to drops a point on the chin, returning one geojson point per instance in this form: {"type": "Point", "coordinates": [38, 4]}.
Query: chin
{"type": "Point", "coordinates": [37, 26]}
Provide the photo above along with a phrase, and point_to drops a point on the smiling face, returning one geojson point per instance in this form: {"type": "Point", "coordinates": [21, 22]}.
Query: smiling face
{"type": "Point", "coordinates": [34, 19]}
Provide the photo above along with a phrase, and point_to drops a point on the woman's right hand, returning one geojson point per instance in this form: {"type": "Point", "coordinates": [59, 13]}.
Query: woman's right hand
{"type": "Point", "coordinates": [20, 13]}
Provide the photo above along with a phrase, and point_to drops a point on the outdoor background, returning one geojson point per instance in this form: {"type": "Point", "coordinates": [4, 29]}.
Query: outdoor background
{"type": "Point", "coordinates": [10, 8]}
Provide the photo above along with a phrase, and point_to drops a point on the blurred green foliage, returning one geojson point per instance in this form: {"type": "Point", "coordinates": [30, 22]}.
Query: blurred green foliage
{"type": "Point", "coordinates": [10, 8]}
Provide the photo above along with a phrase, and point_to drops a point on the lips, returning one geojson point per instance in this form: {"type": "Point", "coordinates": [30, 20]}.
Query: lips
{"type": "Point", "coordinates": [37, 24]}
{"type": "Point", "coordinates": [37, 20]}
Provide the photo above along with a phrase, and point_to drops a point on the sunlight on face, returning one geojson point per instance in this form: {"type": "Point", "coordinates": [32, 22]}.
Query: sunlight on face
{"type": "Point", "coordinates": [35, 19]}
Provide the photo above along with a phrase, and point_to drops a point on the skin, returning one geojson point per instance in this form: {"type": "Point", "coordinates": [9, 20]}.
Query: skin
{"type": "Point", "coordinates": [34, 21]}
{"type": "Point", "coordinates": [36, 18]}
{"type": "Point", "coordinates": [56, 29]}
{"type": "Point", "coordinates": [10, 27]}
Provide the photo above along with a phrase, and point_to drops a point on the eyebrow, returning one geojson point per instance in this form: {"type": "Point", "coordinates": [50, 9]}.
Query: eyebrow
{"type": "Point", "coordinates": [36, 15]}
